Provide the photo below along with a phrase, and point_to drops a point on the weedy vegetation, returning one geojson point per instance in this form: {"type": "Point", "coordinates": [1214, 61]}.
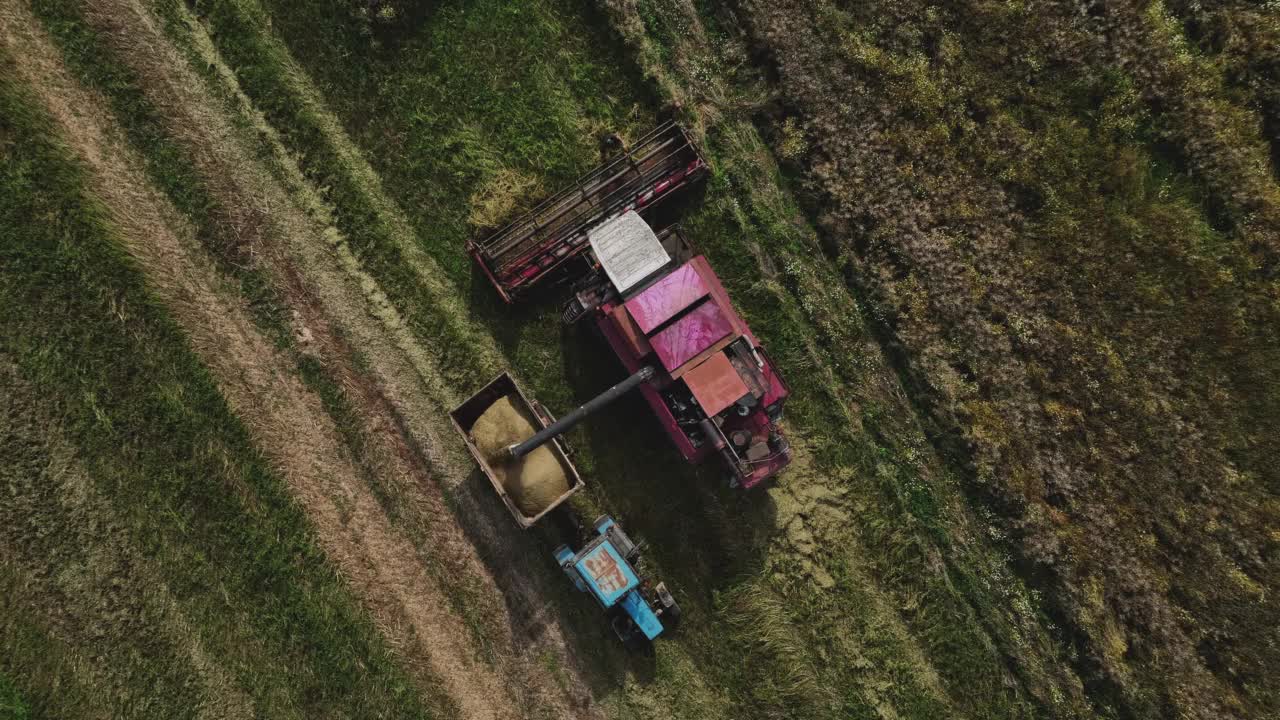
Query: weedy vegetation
{"type": "Point", "coordinates": [1062, 228]}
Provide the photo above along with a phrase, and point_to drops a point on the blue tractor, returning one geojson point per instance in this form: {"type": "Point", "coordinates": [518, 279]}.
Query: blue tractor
{"type": "Point", "coordinates": [605, 568]}
{"type": "Point", "coordinates": [606, 565]}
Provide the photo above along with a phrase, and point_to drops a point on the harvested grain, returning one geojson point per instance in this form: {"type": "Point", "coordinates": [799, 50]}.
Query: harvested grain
{"type": "Point", "coordinates": [534, 481]}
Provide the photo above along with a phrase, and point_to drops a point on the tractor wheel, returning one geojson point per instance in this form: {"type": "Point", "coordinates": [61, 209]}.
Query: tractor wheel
{"type": "Point", "coordinates": [573, 311]}
{"type": "Point", "coordinates": [670, 609]}
{"type": "Point", "coordinates": [671, 617]}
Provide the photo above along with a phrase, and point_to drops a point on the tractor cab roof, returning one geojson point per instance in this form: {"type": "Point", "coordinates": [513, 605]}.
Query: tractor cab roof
{"type": "Point", "coordinates": [607, 573]}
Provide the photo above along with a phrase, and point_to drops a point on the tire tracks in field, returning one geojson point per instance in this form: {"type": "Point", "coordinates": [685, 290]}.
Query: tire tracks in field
{"type": "Point", "coordinates": [482, 349]}
{"type": "Point", "coordinates": [404, 396]}
{"type": "Point", "coordinates": [288, 421]}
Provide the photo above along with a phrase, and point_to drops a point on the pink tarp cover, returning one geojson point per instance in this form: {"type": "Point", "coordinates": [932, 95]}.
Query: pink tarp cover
{"type": "Point", "coordinates": [667, 297]}
{"type": "Point", "coordinates": [703, 327]}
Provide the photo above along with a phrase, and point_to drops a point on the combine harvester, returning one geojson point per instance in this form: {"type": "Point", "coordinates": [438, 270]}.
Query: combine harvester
{"type": "Point", "coordinates": [662, 310]}
{"type": "Point", "coordinates": [667, 318]}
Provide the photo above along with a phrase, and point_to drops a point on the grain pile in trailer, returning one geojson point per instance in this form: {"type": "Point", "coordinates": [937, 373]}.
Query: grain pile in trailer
{"type": "Point", "coordinates": [533, 481]}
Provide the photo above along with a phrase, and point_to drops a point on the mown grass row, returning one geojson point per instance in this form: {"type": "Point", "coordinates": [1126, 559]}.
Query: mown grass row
{"type": "Point", "coordinates": [375, 217]}
{"type": "Point", "coordinates": [167, 165]}
{"type": "Point", "coordinates": [212, 212]}
{"type": "Point", "coordinates": [431, 120]}
{"type": "Point", "coordinates": [74, 593]}
{"type": "Point", "coordinates": [38, 671]}
{"type": "Point", "coordinates": [171, 169]}
{"type": "Point", "coordinates": [267, 77]}
{"type": "Point", "coordinates": [160, 443]}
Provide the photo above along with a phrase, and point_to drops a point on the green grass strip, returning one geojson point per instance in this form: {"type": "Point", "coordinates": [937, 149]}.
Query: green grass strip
{"type": "Point", "coordinates": [153, 430]}
{"type": "Point", "coordinates": [12, 706]}
{"type": "Point", "coordinates": [167, 165]}
{"type": "Point", "coordinates": [171, 169]}
{"type": "Point", "coordinates": [263, 70]}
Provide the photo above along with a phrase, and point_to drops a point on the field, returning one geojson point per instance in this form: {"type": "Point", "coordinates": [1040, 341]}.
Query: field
{"type": "Point", "coordinates": [1020, 263]}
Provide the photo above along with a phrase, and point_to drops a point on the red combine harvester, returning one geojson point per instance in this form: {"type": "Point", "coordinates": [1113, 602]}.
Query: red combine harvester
{"type": "Point", "coordinates": [661, 309]}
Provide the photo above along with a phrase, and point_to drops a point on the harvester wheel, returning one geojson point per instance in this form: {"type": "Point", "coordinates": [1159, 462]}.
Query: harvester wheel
{"type": "Point", "coordinates": [611, 144]}
{"type": "Point", "coordinates": [639, 644]}
{"type": "Point", "coordinates": [573, 311]}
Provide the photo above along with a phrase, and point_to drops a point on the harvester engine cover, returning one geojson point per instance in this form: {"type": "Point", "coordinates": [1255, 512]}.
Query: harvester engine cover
{"type": "Point", "coordinates": [716, 390]}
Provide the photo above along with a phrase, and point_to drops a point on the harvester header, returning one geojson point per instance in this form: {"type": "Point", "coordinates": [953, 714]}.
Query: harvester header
{"type": "Point", "coordinates": [549, 237]}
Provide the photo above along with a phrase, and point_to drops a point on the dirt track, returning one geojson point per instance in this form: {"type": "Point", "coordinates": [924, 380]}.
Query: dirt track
{"type": "Point", "coordinates": [401, 403]}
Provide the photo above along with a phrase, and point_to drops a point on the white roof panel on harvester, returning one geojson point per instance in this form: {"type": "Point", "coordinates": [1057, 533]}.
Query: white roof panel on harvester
{"type": "Point", "coordinates": [628, 250]}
